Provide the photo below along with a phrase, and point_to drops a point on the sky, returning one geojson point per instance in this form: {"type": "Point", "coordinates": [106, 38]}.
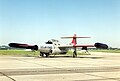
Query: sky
{"type": "Point", "coordinates": [36, 21]}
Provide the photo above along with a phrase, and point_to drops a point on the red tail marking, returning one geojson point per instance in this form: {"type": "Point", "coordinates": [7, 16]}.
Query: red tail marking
{"type": "Point", "coordinates": [74, 42]}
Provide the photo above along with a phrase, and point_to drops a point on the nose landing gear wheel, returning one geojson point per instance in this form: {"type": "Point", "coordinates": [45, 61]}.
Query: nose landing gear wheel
{"type": "Point", "coordinates": [41, 54]}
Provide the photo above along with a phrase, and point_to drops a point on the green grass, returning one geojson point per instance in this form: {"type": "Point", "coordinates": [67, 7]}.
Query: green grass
{"type": "Point", "coordinates": [18, 53]}
{"type": "Point", "coordinates": [107, 51]}
{"type": "Point", "coordinates": [27, 53]}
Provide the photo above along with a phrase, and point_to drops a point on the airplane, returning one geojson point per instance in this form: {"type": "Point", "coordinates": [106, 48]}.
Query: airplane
{"type": "Point", "coordinates": [54, 47]}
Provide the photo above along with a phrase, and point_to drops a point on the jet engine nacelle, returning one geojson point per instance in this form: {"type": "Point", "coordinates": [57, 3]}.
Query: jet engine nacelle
{"type": "Point", "coordinates": [101, 45]}
{"type": "Point", "coordinates": [26, 46]}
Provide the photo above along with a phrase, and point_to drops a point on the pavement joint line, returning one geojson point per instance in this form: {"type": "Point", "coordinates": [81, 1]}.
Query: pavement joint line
{"type": "Point", "coordinates": [8, 76]}
{"type": "Point", "coordinates": [106, 78]}
{"type": "Point", "coordinates": [94, 80]}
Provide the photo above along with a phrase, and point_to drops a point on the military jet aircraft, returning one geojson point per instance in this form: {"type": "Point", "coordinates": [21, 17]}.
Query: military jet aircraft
{"type": "Point", "coordinates": [54, 47]}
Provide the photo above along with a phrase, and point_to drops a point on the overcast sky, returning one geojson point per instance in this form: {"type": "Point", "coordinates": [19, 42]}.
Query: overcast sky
{"type": "Point", "coordinates": [36, 21]}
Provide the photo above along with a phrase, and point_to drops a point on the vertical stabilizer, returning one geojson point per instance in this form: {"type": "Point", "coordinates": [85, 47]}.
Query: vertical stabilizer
{"type": "Point", "coordinates": [74, 42]}
{"type": "Point", "coordinates": [74, 39]}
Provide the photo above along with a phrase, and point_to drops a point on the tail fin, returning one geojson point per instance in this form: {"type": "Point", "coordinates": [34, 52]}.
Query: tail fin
{"type": "Point", "coordinates": [74, 42]}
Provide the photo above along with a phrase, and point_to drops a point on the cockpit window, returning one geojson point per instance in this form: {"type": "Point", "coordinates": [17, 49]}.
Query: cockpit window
{"type": "Point", "coordinates": [54, 40]}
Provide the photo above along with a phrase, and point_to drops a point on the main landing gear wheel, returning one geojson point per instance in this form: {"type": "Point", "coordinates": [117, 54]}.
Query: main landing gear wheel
{"type": "Point", "coordinates": [47, 54]}
{"type": "Point", "coordinates": [42, 54]}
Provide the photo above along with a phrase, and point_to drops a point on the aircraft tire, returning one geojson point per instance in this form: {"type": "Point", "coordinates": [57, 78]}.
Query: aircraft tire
{"type": "Point", "coordinates": [41, 54]}
{"type": "Point", "coordinates": [47, 54]}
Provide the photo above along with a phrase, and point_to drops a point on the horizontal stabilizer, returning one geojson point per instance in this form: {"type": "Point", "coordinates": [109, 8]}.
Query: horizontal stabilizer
{"type": "Point", "coordinates": [101, 45]}
{"type": "Point", "coordinates": [26, 46]}
{"type": "Point", "coordinates": [74, 37]}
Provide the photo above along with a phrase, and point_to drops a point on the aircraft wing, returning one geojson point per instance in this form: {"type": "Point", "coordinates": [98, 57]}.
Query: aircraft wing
{"type": "Point", "coordinates": [84, 46]}
{"type": "Point", "coordinates": [97, 45]}
{"type": "Point", "coordinates": [71, 46]}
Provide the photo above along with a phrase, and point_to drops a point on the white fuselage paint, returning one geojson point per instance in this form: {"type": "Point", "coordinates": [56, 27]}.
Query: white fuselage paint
{"type": "Point", "coordinates": [52, 47]}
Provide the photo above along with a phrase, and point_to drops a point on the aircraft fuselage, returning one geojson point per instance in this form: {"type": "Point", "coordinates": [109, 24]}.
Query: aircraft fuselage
{"type": "Point", "coordinates": [52, 47]}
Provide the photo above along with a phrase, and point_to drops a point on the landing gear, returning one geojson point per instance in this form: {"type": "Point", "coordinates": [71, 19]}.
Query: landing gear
{"type": "Point", "coordinates": [44, 54]}
{"type": "Point", "coordinates": [47, 54]}
{"type": "Point", "coordinates": [41, 54]}
{"type": "Point", "coordinates": [86, 50]}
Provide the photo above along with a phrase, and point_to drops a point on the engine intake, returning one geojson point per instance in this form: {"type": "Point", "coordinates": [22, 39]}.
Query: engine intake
{"type": "Point", "coordinates": [101, 45]}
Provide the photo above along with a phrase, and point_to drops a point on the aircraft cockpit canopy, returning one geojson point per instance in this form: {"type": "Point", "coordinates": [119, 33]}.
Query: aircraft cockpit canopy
{"type": "Point", "coordinates": [51, 41]}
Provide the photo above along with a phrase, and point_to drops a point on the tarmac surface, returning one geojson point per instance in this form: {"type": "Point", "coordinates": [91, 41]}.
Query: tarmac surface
{"type": "Point", "coordinates": [95, 67]}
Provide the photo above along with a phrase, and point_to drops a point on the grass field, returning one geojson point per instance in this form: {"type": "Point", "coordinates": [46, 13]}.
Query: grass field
{"type": "Point", "coordinates": [18, 53]}
{"type": "Point", "coordinates": [36, 53]}
{"type": "Point", "coordinates": [27, 53]}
